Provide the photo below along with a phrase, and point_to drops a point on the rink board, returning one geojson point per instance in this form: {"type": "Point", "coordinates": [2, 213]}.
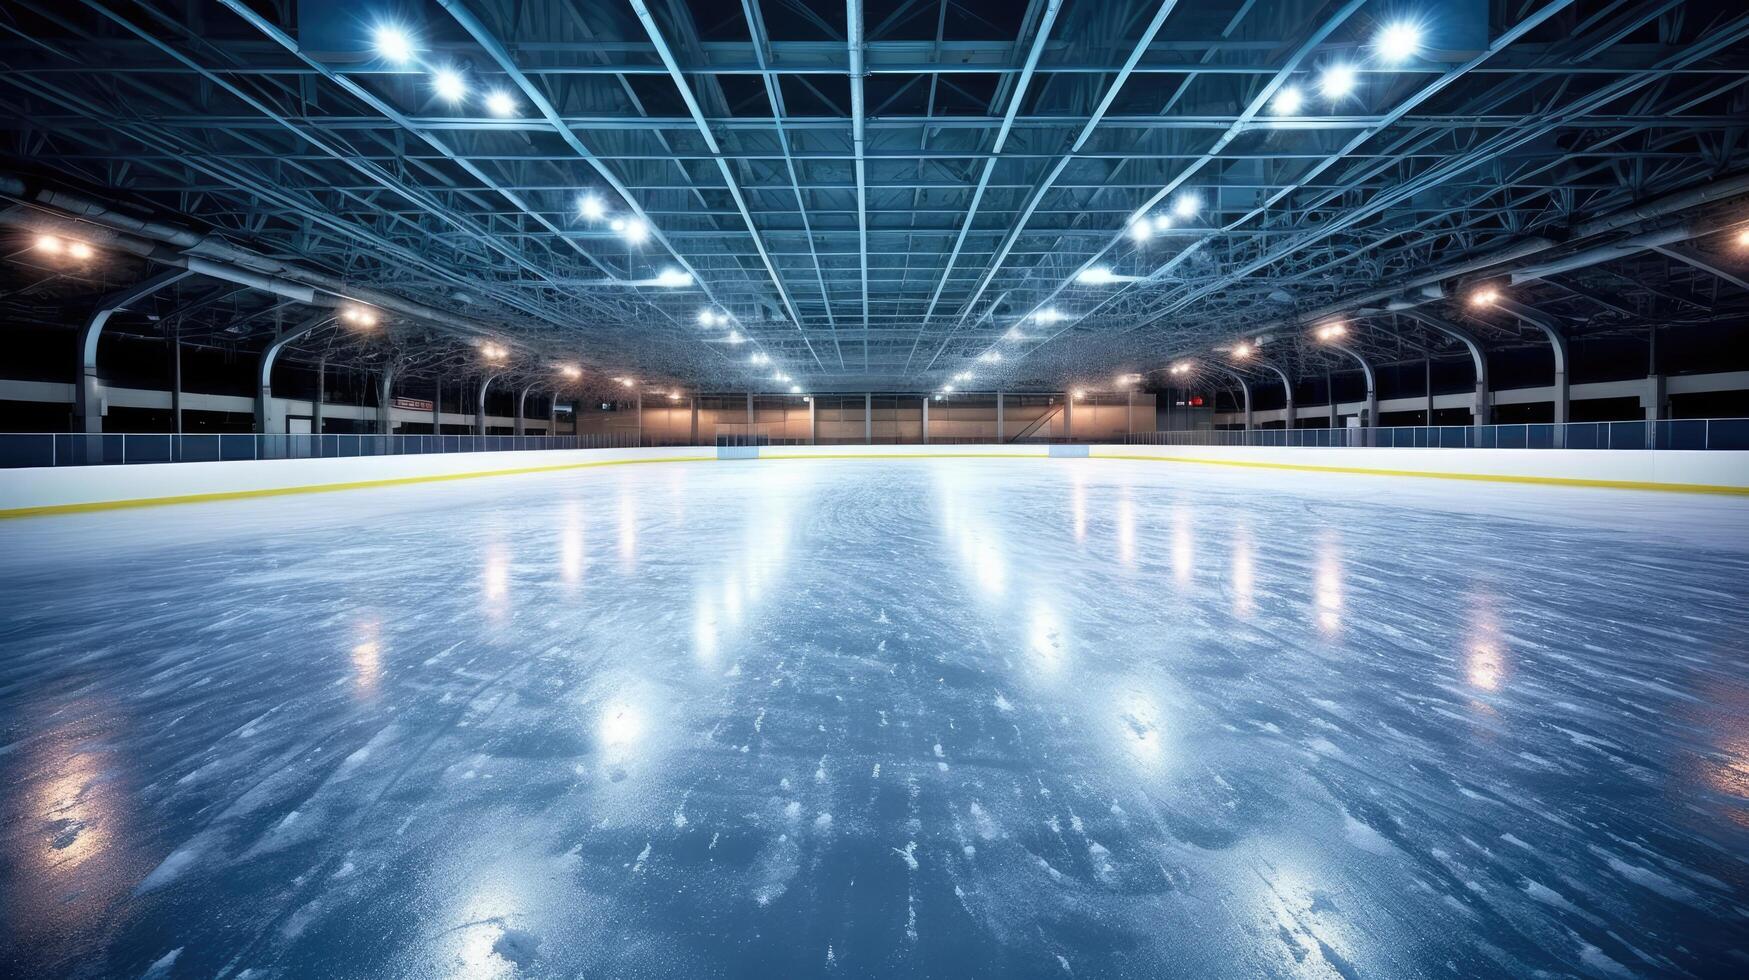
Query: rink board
{"type": "Point", "coordinates": [45, 490]}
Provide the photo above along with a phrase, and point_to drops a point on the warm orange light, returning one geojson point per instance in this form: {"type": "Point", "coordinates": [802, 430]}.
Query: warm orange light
{"type": "Point", "coordinates": [1486, 296]}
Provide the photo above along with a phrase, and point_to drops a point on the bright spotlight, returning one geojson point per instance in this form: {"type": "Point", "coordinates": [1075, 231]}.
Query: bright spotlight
{"type": "Point", "coordinates": [1099, 275]}
{"type": "Point", "coordinates": [1079, 394]}
{"type": "Point", "coordinates": [1331, 331]}
{"type": "Point", "coordinates": [1337, 81]}
{"type": "Point", "coordinates": [500, 103]}
{"type": "Point", "coordinates": [947, 388]}
{"type": "Point", "coordinates": [49, 244]}
{"type": "Point", "coordinates": [759, 358]}
{"type": "Point", "coordinates": [1398, 42]}
{"type": "Point", "coordinates": [626, 382]}
{"type": "Point", "coordinates": [359, 316]}
{"type": "Point", "coordinates": [571, 371]}
{"type": "Point", "coordinates": [735, 337]}
{"type": "Point", "coordinates": [990, 356]}
{"type": "Point", "coordinates": [591, 207]}
{"type": "Point", "coordinates": [1486, 296]}
{"type": "Point", "coordinates": [1187, 205]}
{"type": "Point", "coordinates": [1241, 350]}
{"type": "Point", "coordinates": [1139, 229]}
{"type": "Point", "coordinates": [80, 250]}
{"type": "Point", "coordinates": [493, 352]}
{"type": "Point", "coordinates": [393, 45]}
{"type": "Point", "coordinates": [1743, 238]}
{"type": "Point", "coordinates": [795, 389]}
{"type": "Point", "coordinates": [636, 231]}
{"type": "Point", "coordinates": [674, 278]}
{"type": "Point", "coordinates": [1048, 315]}
{"type": "Point", "coordinates": [1182, 367]}
{"type": "Point", "coordinates": [1288, 101]}
{"type": "Point", "coordinates": [449, 85]}
{"type": "Point", "coordinates": [1162, 222]}
{"type": "Point", "coordinates": [706, 318]}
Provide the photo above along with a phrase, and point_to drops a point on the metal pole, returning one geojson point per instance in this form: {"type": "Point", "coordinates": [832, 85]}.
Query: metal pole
{"type": "Point", "coordinates": [1068, 417]}
{"type": "Point", "coordinates": [868, 417]}
{"type": "Point", "coordinates": [437, 409]}
{"type": "Point", "coordinates": [316, 421]}
{"type": "Point", "coordinates": [640, 417]}
{"type": "Point", "coordinates": [694, 401]}
{"type": "Point", "coordinates": [813, 421]}
{"type": "Point", "coordinates": [925, 419]}
{"type": "Point", "coordinates": [176, 379]}
{"type": "Point", "coordinates": [1001, 412]}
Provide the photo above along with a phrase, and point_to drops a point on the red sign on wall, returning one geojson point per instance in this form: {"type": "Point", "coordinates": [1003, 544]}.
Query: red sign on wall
{"type": "Point", "coordinates": [411, 404]}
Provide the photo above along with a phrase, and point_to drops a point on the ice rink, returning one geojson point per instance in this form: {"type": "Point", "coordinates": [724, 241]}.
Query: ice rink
{"type": "Point", "coordinates": [940, 718]}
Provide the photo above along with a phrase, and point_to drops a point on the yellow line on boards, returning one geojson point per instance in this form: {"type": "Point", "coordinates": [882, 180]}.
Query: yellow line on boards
{"type": "Point", "coordinates": [1558, 481]}
{"type": "Point", "coordinates": [1249, 464]}
{"type": "Point", "coordinates": [200, 498]}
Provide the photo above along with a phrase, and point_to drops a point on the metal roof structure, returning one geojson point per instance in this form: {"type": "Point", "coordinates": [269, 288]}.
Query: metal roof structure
{"type": "Point", "coordinates": [883, 195]}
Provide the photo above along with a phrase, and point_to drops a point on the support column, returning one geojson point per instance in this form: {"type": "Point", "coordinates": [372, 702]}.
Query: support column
{"type": "Point", "coordinates": [385, 402]}
{"type": "Point", "coordinates": [750, 439]}
{"type": "Point", "coordinates": [480, 406]}
{"type": "Point", "coordinates": [868, 417]}
{"type": "Point", "coordinates": [316, 421]}
{"type": "Point", "coordinates": [1479, 414]}
{"type": "Point", "coordinates": [521, 406]}
{"type": "Point", "coordinates": [1427, 413]}
{"type": "Point", "coordinates": [1330, 396]}
{"type": "Point", "coordinates": [1370, 417]}
{"type": "Point", "coordinates": [1068, 414]}
{"type": "Point", "coordinates": [437, 407]}
{"type": "Point", "coordinates": [640, 417]}
{"type": "Point", "coordinates": [926, 419]}
{"type": "Point", "coordinates": [1558, 341]}
{"type": "Point", "coordinates": [553, 414]}
{"type": "Point", "coordinates": [1655, 399]}
{"type": "Point", "coordinates": [1244, 391]}
{"type": "Point", "coordinates": [813, 421]}
{"type": "Point", "coordinates": [176, 381]}
{"type": "Point", "coordinates": [1001, 418]}
{"type": "Point", "coordinates": [88, 394]}
{"type": "Point", "coordinates": [267, 420]}
{"type": "Point", "coordinates": [694, 401]}
{"type": "Point", "coordinates": [1287, 389]}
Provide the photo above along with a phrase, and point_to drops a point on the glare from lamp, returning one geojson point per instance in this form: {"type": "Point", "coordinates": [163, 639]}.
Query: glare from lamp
{"type": "Point", "coordinates": [393, 45]}
{"type": "Point", "coordinates": [80, 250]}
{"type": "Point", "coordinates": [1398, 42]}
{"type": "Point", "coordinates": [636, 231]}
{"type": "Point", "coordinates": [1288, 101]}
{"type": "Point", "coordinates": [449, 85]}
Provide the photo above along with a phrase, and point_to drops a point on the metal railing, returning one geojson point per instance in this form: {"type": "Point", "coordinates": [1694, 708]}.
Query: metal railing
{"type": "Point", "coordinates": [90, 449]}
{"type": "Point", "coordinates": [1668, 434]}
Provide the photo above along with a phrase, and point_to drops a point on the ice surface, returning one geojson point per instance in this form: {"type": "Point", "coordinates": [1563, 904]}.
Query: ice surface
{"type": "Point", "coordinates": [923, 718]}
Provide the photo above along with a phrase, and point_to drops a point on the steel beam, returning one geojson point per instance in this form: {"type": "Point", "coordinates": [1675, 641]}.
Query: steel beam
{"type": "Point", "coordinates": [1479, 412]}
{"type": "Point", "coordinates": [88, 395]}
{"type": "Point", "coordinates": [266, 421]}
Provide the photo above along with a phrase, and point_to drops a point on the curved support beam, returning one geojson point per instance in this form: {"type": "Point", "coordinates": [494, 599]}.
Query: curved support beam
{"type": "Point", "coordinates": [1558, 341]}
{"type": "Point", "coordinates": [88, 395]}
{"type": "Point", "coordinates": [1287, 385]}
{"type": "Point", "coordinates": [1479, 413]}
{"type": "Point", "coordinates": [266, 421]}
{"type": "Point", "coordinates": [521, 403]}
{"type": "Point", "coordinates": [1371, 419]}
{"type": "Point", "coordinates": [386, 401]}
{"type": "Point", "coordinates": [480, 408]}
{"type": "Point", "coordinates": [1244, 388]}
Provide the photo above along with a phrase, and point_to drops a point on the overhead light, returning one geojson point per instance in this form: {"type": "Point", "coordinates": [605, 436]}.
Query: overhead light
{"type": "Point", "coordinates": [1288, 101]}
{"type": "Point", "coordinates": [571, 371]}
{"type": "Point", "coordinates": [1047, 315]}
{"type": "Point", "coordinates": [735, 337]}
{"type": "Point", "coordinates": [359, 316]}
{"type": "Point", "coordinates": [500, 103]}
{"type": "Point", "coordinates": [1486, 296]}
{"type": "Point", "coordinates": [493, 352]}
{"type": "Point", "coordinates": [990, 356]}
{"type": "Point", "coordinates": [393, 44]}
{"type": "Point", "coordinates": [1099, 275]}
{"type": "Point", "coordinates": [1398, 42]}
{"type": "Point", "coordinates": [626, 382]}
{"type": "Point", "coordinates": [449, 85]}
{"type": "Point", "coordinates": [759, 358]}
{"type": "Point", "coordinates": [80, 250]}
{"type": "Point", "coordinates": [1129, 379]}
{"type": "Point", "coordinates": [635, 230]}
{"type": "Point", "coordinates": [1139, 229]}
{"type": "Point", "coordinates": [591, 207]}
{"type": "Point", "coordinates": [1079, 394]}
{"type": "Point", "coordinates": [1182, 367]}
{"type": "Point", "coordinates": [1337, 81]}
{"type": "Point", "coordinates": [1012, 334]}
{"type": "Point", "coordinates": [795, 389]}
{"type": "Point", "coordinates": [1331, 331]}
{"type": "Point", "coordinates": [706, 318]}
{"type": "Point", "coordinates": [49, 244]}
{"type": "Point", "coordinates": [674, 396]}
{"type": "Point", "coordinates": [947, 388]}
{"type": "Point", "coordinates": [1743, 238]}
{"type": "Point", "coordinates": [1187, 204]}
{"type": "Point", "coordinates": [1241, 350]}
{"type": "Point", "coordinates": [674, 278]}
{"type": "Point", "coordinates": [1162, 222]}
